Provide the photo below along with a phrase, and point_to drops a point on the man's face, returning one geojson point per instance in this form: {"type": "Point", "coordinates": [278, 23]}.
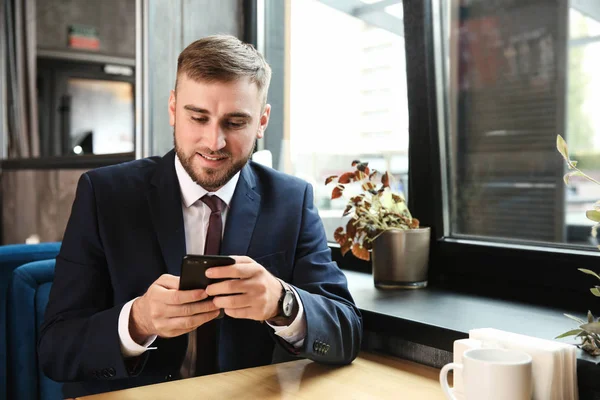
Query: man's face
{"type": "Point", "coordinates": [215, 127]}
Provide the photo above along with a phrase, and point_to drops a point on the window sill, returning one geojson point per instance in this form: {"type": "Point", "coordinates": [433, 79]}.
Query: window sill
{"type": "Point", "coordinates": [436, 317]}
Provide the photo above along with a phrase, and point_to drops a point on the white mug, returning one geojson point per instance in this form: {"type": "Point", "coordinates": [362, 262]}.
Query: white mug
{"type": "Point", "coordinates": [492, 374]}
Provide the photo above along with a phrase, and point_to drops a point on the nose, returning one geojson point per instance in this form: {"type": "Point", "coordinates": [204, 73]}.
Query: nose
{"type": "Point", "coordinates": [214, 137]}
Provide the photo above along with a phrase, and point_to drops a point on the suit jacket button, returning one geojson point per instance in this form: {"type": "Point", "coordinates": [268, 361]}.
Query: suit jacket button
{"type": "Point", "coordinates": [168, 377]}
{"type": "Point", "coordinates": [111, 372]}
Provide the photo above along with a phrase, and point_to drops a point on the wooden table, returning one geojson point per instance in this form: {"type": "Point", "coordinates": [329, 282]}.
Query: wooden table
{"type": "Point", "coordinates": [370, 376]}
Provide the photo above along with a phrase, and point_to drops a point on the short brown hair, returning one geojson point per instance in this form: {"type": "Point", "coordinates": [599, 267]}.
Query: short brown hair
{"type": "Point", "coordinates": [224, 58]}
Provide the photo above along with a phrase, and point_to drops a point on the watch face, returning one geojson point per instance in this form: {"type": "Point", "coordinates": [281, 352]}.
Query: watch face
{"type": "Point", "coordinates": [288, 303]}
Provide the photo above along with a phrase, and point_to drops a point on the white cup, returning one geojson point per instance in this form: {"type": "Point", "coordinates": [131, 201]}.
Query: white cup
{"type": "Point", "coordinates": [492, 374]}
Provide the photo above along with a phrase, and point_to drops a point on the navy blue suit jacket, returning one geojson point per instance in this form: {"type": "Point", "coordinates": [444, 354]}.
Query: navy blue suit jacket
{"type": "Point", "coordinates": [126, 229]}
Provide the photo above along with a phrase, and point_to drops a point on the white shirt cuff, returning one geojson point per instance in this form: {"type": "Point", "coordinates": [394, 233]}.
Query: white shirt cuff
{"type": "Point", "coordinates": [129, 348]}
{"type": "Point", "coordinates": [294, 333]}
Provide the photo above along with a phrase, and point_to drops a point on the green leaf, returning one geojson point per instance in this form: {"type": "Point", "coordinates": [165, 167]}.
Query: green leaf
{"type": "Point", "coordinates": [589, 272]}
{"type": "Point", "coordinates": [561, 145]}
{"type": "Point", "coordinates": [595, 291]}
{"type": "Point", "coordinates": [570, 174]}
{"type": "Point", "coordinates": [578, 320]}
{"type": "Point", "coordinates": [590, 317]}
{"type": "Point", "coordinates": [569, 333]}
{"type": "Point", "coordinates": [593, 215]}
{"type": "Point", "coordinates": [593, 327]}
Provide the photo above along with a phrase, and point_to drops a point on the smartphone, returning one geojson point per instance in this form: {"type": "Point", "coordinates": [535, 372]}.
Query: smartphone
{"type": "Point", "coordinates": [193, 270]}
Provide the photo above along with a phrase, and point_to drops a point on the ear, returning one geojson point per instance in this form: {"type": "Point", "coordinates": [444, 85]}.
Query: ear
{"type": "Point", "coordinates": [172, 103]}
{"type": "Point", "coordinates": [264, 121]}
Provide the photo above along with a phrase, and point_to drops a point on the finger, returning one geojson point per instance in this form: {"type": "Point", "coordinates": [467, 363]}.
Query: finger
{"type": "Point", "coordinates": [172, 296]}
{"type": "Point", "coordinates": [188, 309]}
{"type": "Point", "coordinates": [241, 313]}
{"type": "Point", "coordinates": [240, 271]}
{"type": "Point", "coordinates": [230, 286]}
{"type": "Point", "coordinates": [180, 325]}
{"type": "Point", "coordinates": [168, 281]}
{"type": "Point", "coordinates": [235, 301]}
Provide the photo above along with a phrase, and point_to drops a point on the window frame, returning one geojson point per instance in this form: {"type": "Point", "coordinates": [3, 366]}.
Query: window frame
{"type": "Point", "coordinates": [545, 273]}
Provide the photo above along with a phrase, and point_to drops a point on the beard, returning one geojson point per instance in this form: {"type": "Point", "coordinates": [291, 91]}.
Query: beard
{"type": "Point", "coordinates": [211, 179]}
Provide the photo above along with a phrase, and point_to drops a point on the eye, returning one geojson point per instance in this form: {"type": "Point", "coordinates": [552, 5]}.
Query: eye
{"type": "Point", "coordinates": [235, 124]}
{"type": "Point", "coordinates": [201, 119]}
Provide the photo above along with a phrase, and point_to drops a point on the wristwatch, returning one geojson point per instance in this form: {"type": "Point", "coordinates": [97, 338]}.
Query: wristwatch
{"type": "Point", "coordinates": [285, 306]}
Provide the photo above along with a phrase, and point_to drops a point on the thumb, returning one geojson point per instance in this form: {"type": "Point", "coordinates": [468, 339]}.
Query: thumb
{"type": "Point", "coordinates": [168, 281]}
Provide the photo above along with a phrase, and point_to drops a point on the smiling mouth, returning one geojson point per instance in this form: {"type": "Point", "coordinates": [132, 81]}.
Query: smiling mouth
{"type": "Point", "coordinates": [211, 158]}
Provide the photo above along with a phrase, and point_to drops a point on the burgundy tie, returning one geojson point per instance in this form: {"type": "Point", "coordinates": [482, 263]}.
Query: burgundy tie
{"type": "Point", "coordinates": [212, 245]}
{"type": "Point", "coordinates": [206, 335]}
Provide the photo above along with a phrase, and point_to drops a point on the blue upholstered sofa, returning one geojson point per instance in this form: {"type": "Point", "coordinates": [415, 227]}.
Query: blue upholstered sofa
{"type": "Point", "coordinates": [11, 257]}
{"type": "Point", "coordinates": [27, 300]}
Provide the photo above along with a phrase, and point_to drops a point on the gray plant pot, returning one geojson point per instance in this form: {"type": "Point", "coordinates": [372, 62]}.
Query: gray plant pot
{"type": "Point", "coordinates": [401, 259]}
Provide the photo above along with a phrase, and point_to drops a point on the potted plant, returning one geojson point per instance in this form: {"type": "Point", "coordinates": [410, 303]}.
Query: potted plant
{"type": "Point", "coordinates": [588, 331]}
{"type": "Point", "coordinates": [380, 223]}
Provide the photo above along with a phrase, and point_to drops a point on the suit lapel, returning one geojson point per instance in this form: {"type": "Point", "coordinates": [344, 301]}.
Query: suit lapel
{"type": "Point", "coordinates": [242, 215]}
{"type": "Point", "coordinates": [164, 199]}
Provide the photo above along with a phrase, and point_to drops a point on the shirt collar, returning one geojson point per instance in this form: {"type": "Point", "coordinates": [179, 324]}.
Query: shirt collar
{"type": "Point", "coordinates": [191, 191]}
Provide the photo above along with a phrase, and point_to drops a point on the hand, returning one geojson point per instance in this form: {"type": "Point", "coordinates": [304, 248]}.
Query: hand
{"type": "Point", "coordinates": [250, 292]}
{"type": "Point", "coordinates": [166, 311]}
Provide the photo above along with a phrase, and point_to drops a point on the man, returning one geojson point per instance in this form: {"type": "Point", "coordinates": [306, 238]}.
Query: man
{"type": "Point", "coordinates": [116, 318]}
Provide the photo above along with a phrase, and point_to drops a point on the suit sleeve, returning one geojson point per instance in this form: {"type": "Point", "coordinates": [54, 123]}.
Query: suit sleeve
{"type": "Point", "coordinates": [333, 322]}
{"type": "Point", "coordinates": [79, 338]}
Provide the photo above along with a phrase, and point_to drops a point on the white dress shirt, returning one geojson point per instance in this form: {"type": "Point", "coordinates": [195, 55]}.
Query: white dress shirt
{"type": "Point", "coordinates": [196, 215]}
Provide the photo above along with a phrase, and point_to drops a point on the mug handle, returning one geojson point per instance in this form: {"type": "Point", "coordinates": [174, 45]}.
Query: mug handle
{"type": "Point", "coordinates": [444, 378]}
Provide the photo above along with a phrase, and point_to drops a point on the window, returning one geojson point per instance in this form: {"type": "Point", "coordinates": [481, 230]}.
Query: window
{"type": "Point", "coordinates": [583, 124]}
{"type": "Point", "coordinates": [458, 144]}
{"type": "Point", "coordinates": [519, 74]}
{"type": "Point", "coordinates": [484, 171]}
{"type": "Point", "coordinates": [347, 94]}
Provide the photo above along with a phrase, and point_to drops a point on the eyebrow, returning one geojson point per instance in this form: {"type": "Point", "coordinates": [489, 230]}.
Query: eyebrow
{"type": "Point", "coordinates": [234, 114]}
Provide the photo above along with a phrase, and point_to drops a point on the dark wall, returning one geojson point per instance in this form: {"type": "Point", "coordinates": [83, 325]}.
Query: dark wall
{"type": "Point", "coordinates": [113, 19]}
